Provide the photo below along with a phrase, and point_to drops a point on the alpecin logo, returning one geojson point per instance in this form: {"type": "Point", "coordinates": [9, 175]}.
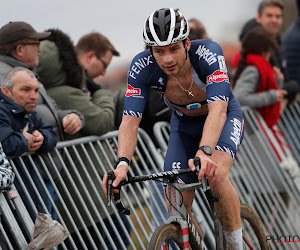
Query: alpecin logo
{"type": "Point", "coordinates": [217, 76]}
{"type": "Point", "coordinates": [283, 239]}
{"type": "Point", "coordinates": [132, 91]}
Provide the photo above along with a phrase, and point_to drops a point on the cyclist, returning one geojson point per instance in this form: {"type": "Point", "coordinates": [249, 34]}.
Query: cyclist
{"type": "Point", "coordinates": [207, 120]}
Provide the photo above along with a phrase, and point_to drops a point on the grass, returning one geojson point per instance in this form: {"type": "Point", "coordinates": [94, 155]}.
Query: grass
{"type": "Point", "coordinates": [138, 228]}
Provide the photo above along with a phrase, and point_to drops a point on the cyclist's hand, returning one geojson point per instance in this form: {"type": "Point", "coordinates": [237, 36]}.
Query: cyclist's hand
{"type": "Point", "coordinates": [208, 167]}
{"type": "Point", "coordinates": [120, 174]}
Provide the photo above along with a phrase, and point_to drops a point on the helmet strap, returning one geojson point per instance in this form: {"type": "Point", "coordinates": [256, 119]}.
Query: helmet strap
{"type": "Point", "coordinates": [151, 50]}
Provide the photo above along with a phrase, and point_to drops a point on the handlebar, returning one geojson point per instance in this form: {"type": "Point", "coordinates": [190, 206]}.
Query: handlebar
{"type": "Point", "coordinates": [166, 175]}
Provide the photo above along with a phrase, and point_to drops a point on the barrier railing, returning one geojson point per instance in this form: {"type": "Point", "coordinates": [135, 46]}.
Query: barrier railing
{"type": "Point", "coordinates": [259, 180]}
{"type": "Point", "coordinates": [74, 172]}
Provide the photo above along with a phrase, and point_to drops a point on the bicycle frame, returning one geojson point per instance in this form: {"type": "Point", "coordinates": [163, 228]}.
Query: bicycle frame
{"type": "Point", "coordinates": [177, 212]}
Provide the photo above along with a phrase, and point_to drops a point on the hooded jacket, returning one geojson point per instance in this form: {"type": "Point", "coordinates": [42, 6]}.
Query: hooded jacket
{"type": "Point", "coordinates": [64, 79]}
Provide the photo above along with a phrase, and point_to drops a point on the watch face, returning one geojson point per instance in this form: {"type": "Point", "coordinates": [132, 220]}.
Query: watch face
{"type": "Point", "coordinates": [206, 149]}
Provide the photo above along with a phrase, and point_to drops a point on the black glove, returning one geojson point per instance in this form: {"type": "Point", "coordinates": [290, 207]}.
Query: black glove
{"type": "Point", "coordinates": [92, 86]}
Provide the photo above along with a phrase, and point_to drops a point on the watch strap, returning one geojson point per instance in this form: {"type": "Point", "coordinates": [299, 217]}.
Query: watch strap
{"type": "Point", "coordinates": [123, 161]}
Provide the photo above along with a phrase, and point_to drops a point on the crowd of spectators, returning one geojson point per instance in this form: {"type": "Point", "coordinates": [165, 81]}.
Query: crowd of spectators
{"type": "Point", "coordinates": [263, 80]}
{"type": "Point", "coordinates": [48, 93]}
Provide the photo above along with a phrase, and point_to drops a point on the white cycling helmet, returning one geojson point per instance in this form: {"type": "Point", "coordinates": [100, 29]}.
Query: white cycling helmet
{"type": "Point", "coordinates": [164, 27]}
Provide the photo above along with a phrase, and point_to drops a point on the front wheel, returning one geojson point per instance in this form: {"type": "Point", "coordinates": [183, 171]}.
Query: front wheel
{"type": "Point", "coordinates": [168, 236]}
{"type": "Point", "coordinates": [254, 236]}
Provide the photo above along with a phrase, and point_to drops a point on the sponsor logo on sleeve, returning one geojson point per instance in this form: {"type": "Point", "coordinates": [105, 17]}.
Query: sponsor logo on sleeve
{"type": "Point", "coordinates": [131, 91]}
{"type": "Point", "coordinates": [237, 132]}
{"type": "Point", "coordinates": [139, 65]}
{"type": "Point", "coordinates": [216, 77]}
{"type": "Point", "coordinates": [206, 54]}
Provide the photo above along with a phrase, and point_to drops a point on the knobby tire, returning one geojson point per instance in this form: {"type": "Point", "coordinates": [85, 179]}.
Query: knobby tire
{"type": "Point", "coordinates": [248, 215]}
{"type": "Point", "coordinates": [171, 232]}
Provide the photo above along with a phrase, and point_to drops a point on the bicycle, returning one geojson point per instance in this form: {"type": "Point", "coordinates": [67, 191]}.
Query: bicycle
{"type": "Point", "coordinates": [179, 227]}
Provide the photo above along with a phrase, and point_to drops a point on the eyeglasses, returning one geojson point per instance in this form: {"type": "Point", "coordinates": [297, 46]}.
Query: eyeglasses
{"type": "Point", "coordinates": [37, 43]}
{"type": "Point", "coordinates": [105, 65]}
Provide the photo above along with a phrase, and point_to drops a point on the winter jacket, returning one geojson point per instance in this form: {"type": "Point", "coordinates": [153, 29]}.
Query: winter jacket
{"type": "Point", "coordinates": [98, 112]}
{"type": "Point", "coordinates": [13, 119]}
{"type": "Point", "coordinates": [291, 40]}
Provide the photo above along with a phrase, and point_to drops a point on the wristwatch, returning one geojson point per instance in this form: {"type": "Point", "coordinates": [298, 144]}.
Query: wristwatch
{"type": "Point", "coordinates": [206, 149]}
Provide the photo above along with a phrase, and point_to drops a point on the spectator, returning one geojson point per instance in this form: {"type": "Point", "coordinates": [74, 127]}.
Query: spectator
{"type": "Point", "coordinates": [291, 41]}
{"type": "Point", "coordinates": [254, 85]}
{"type": "Point", "coordinates": [19, 47]}
{"type": "Point", "coordinates": [197, 30]}
{"type": "Point", "coordinates": [64, 79]}
{"type": "Point", "coordinates": [7, 176]}
{"type": "Point", "coordinates": [270, 17]}
{"type": "Point", "coordinates": [22, 130]}
{"type": "Point", "coordinates": [94, 52]}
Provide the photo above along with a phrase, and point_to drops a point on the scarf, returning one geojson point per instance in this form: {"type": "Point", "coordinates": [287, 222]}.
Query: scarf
{"type": "Point", "coordinates": [271, 114]}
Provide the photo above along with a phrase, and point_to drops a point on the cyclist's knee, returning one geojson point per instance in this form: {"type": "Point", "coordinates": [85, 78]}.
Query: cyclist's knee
{"type": "Point", "coordinates": [221, 185]}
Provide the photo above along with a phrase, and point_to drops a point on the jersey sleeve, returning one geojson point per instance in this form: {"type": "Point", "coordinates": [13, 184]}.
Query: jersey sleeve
{"type": "Point", "coordinates": [211, 63]}
{"type": "Point", "coordinates": [139, 76]}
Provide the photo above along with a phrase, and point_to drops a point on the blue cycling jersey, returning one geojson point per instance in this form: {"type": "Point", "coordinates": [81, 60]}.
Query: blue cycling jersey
{"type": "Point", "coordinates": [210, 74]}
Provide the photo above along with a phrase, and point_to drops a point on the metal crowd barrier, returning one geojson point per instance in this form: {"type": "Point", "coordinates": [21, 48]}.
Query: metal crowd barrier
{"type": "Point", "coordinates": [259, 179]}
{"type": "Point", "coordinates": [290, 126]}
{"type": "Point", "coordinates": [75, 170]}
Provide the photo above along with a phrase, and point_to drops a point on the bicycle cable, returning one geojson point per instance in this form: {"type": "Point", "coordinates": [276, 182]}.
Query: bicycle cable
{"type": "Point", "coordinates": [165, 191]}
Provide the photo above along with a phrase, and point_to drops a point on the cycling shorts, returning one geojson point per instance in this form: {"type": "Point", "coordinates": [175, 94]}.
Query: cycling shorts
{"type": "Point", "coordinates": [185, 137]}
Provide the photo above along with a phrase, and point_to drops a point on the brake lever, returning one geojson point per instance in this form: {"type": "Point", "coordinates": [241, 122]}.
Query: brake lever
{"type": "Point", "coordinates": [197, 164]}
{"type": "Point", "coordinates": [203, 180]}
{"type": "Point", "coordinates": [110, 179]}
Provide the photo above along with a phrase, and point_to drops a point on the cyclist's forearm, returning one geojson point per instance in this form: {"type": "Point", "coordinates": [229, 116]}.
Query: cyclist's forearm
{"type": "Point", "coordinates": [127, 139]}
{"type": "Point", "coordinates": [214, 124]}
